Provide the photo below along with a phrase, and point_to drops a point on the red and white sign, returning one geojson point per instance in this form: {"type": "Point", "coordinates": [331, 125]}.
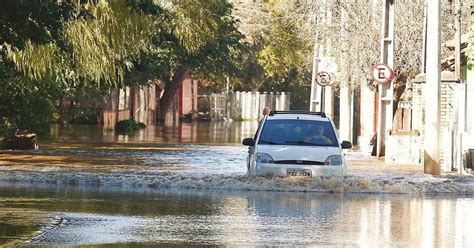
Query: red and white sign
{"type": "Point", "coordinates": [381, 73]}
{"type": "Point", "coordinates": [324, 79]}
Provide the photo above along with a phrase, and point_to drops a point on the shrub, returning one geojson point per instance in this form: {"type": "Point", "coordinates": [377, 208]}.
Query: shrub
{"type": "Point", "coordinates": [127, 126]}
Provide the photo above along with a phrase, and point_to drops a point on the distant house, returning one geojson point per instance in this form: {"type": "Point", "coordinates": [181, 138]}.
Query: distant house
{"type": "Point", "coordinates": [135, 102]}
{"type": "Point", "coordinates": [141, 103]}
{"type": "Point", "coordinates": [185, 103]}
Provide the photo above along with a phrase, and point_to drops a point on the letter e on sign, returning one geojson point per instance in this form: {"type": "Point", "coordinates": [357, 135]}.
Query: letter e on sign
{"type": "Point", "coordinates": [381, 73]}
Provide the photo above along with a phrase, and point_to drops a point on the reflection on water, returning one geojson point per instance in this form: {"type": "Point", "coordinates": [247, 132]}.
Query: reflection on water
{"type": "Point", "coordinates": [196, 132]}
{"type": "Point", "coordinates": [244, 218]}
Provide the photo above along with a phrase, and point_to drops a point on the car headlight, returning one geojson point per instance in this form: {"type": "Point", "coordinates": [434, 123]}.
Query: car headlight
{"type": "Point", "coordinates": [333, 160]}
{"type": "Point", "coordinates": [264, 158]}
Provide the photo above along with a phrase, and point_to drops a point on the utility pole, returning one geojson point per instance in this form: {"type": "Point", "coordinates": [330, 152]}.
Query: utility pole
{"type": "Point", "coordinates": [326, 92]}
{"type": "Point", "coordinates": [425, 23]}
{"type": "Point", "coordinates": [345, 92]}
{"type": "Point", "coordinates": [317, 92]}
{"type": "Point", "coordinates": [313, 101]}
{"type": "Point", "coordinates": [432, 89]}
{"type": "Point", "coordinates": [385, 103]}
{"type": "Point", "coordinates": [457, 41]}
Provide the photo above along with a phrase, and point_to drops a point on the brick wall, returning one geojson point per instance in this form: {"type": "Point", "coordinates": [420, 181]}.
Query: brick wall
{"type": "Point", "coordinates": [418, 115]}
{"type": "Point", "coordinates": [447, 117]}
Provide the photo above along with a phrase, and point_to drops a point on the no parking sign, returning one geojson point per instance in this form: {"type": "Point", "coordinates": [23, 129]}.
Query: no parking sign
{"type": "Point", "coordinates": [381, 73]}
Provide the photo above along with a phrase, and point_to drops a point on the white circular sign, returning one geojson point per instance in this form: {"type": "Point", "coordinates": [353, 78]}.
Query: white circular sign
{"type": "Point", "coordinates": [324, 79]}
{"type": "Point", "coordinates": [381, 73]}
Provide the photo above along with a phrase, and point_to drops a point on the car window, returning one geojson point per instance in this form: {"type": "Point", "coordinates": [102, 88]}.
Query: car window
{"type": "Point", "coordinates": [298, 132]}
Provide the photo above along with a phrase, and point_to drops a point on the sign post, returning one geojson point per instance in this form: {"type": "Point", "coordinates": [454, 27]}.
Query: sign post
{"type": "Point", "coordinates": [324, 79]}
{"type": "Point", "coordinates": [385, 88]}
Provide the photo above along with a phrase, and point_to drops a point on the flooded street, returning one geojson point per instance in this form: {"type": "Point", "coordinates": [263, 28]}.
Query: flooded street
{"type": "Point", "coordinates": [186, 186]}
{"type": "Point", "coordinates": [88, 216]}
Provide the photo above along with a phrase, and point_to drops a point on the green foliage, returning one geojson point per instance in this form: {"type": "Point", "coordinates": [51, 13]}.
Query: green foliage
{"type": "Point", "coordinates": [40, 21]}
{"type": "Point", "coordinates": [103, 46]}
{"type": "Point", "coordinates": [127, 126]}
{"type": "Point", "coordinates": [36, 61]}
{"type": "Point", "coordinates": [96, 47]}
{"type": "Point", "coordinates": [57, 51]}
{"type": "Point", "coordinates": [221, 58]}
{"type": "Point", "coordinates": [252, 73]}
{"type": "Point", "coordinates": [273, 61]}
{"type": "Point", "coordinates": [282, 49]}
{"type": "Point", "coordinates": [198, 34]}
{"type": "Point", "coordinates": [24, 107]}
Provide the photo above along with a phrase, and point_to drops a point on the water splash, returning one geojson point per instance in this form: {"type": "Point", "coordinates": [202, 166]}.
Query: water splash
{"type": "Point", "coordinates": [419, 184]}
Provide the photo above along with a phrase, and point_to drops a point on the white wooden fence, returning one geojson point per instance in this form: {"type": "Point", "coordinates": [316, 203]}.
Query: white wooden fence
{"type": "Point", "coordinates": [246, 105]}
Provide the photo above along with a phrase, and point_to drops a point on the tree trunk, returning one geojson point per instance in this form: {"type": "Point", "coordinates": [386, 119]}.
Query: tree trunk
{"type": "Point", "coordinates": [61, 111]}
{"type": "Point", "coordinates": [170, 90]}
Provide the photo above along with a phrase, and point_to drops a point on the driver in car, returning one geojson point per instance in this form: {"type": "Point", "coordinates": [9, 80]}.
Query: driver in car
{"type": "Point", "coordinates": [317, 134]}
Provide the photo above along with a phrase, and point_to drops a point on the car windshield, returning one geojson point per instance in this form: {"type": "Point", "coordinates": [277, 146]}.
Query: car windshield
{"type": "Point", "coordinates": [298, 132]}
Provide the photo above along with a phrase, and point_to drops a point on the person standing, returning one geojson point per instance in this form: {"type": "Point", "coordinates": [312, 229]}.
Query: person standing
{"type": "Point", "coordinates": [373, 143]}
{"type": "Point", "coordinates": [266, 111]}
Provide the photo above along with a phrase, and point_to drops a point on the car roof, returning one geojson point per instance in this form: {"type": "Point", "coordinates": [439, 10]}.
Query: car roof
{"type": "Point", "coordinates": [303, 115]}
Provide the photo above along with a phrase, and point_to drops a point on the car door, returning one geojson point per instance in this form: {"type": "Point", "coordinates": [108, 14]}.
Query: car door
{"type": "Point", "coordinates": [252, 151]}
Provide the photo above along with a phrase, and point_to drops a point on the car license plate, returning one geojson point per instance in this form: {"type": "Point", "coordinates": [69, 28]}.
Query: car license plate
{"type": "Point", "coordinates": [299, 173]}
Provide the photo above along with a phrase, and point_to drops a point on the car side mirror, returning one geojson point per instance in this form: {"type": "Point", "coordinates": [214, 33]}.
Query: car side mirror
{"type": "Point", "coordinates": [248, 142]}
{"type": "Point", "coordinates": [346, 144]}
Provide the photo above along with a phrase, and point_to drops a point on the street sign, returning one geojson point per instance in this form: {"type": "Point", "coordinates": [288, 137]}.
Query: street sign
{"type": "Point", "coordinates": [324, 79]}
{"type": "Point", "coordinates": [381, 73]}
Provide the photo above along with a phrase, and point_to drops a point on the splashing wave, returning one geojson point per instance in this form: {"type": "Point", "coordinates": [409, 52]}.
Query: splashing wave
{"type": "Point", "coordinates": [418, 184]}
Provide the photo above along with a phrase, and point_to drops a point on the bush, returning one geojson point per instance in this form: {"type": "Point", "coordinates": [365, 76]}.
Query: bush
{"type": "Point", "coordinates": [26, 106]}
{"type": "Point", "coordinates": [127, 126]}
{"type": "Point", "coordinates": [23, 113]}
{"type": "Point", "coordinates": [187, 117]}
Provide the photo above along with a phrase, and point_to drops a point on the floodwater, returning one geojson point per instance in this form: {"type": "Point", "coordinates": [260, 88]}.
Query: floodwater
{"type": "Point", "coordinates": [186, 186]}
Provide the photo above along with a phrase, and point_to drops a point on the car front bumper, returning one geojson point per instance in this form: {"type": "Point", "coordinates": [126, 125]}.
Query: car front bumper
{"type": "Point", "coordinates": [282, 169]}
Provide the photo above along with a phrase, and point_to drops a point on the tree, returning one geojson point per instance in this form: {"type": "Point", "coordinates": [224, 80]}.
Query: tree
{"type": "Point", "coordinates": [58, 49]}
{"type": "Point", "coordinates": [70, 48]}
{"type": "Point", "coordinates": [197, 37]}
{"type": "Point", "coordinates": [275, 56]}
{"type": "Point", "coordinates": [362, 50]}
{"type": "Point", "coordinates": [94, 45]}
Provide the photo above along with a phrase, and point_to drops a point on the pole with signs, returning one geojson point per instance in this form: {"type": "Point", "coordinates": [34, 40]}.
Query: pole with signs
{"type": "Point", "coordinates": [324, 79]}
{"type": "Point", "coordinates": [385, 89]}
